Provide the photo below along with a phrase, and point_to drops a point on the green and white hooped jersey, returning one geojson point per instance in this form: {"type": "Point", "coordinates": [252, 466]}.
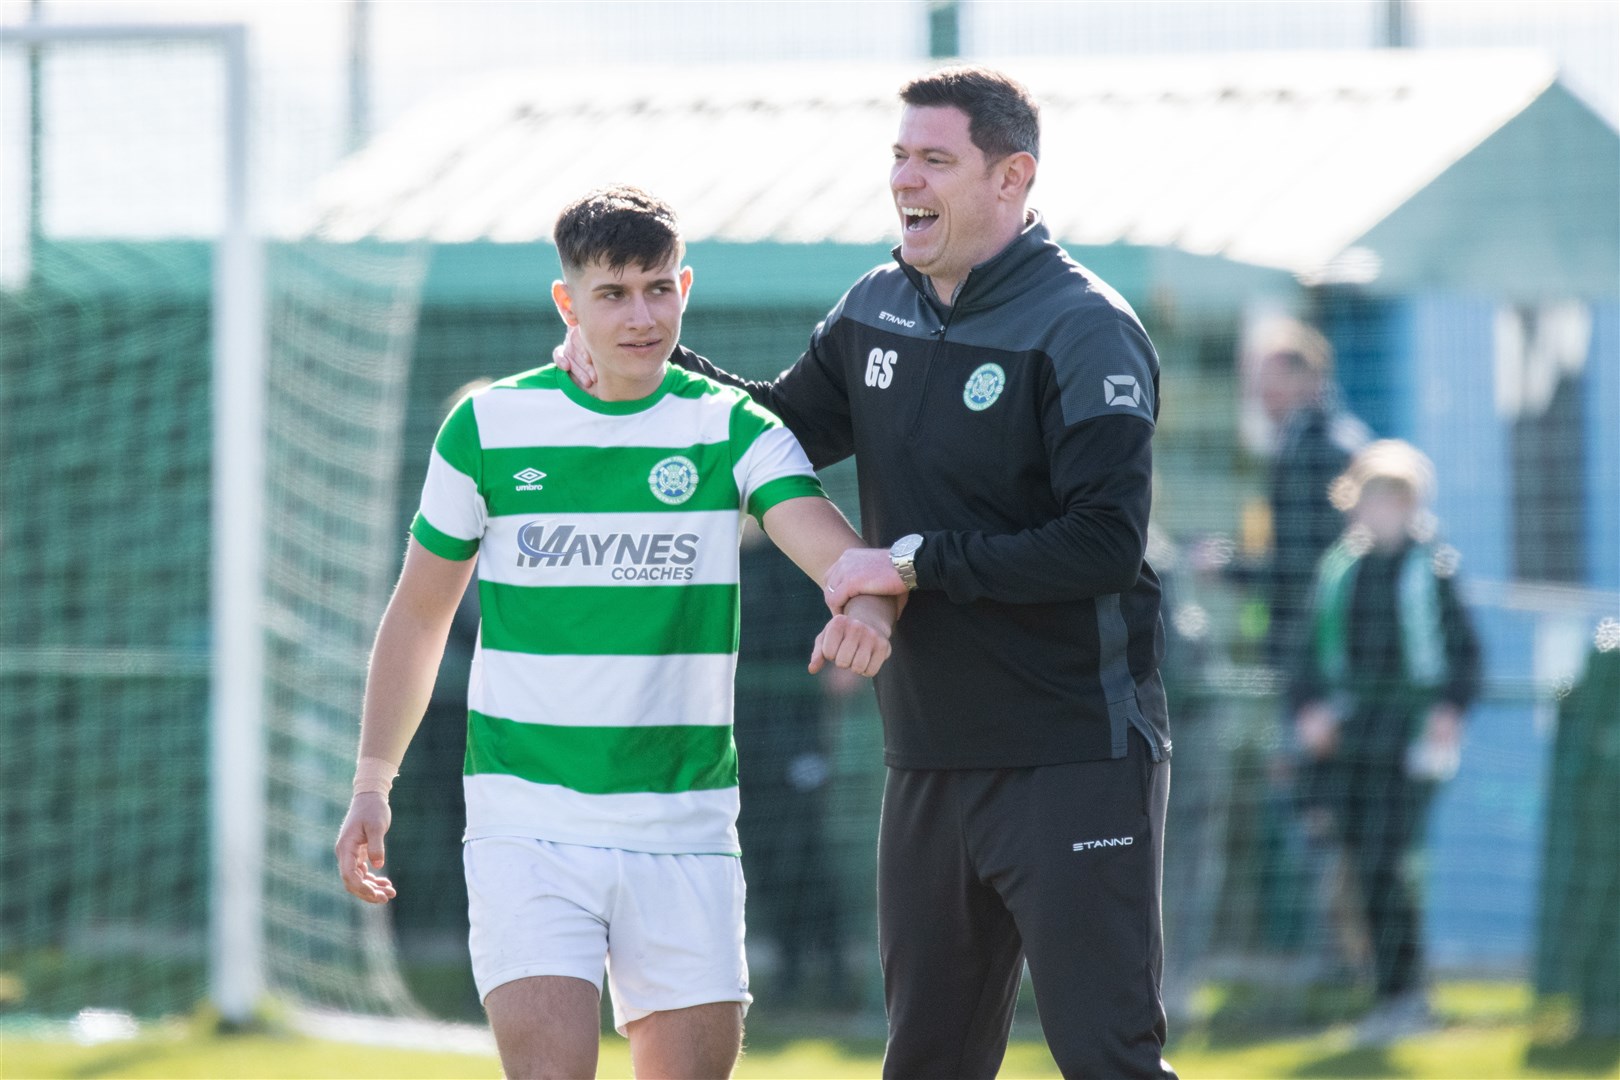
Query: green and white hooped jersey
{"type": "Point", "coordinates": [600, 700]}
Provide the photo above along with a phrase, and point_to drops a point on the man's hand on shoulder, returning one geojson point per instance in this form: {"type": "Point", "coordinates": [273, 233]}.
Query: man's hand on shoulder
{"type": "Point", "coordinates": [360, 848]}
{"type": "Point", "coordinates": [857, 639]}
{"type": "Point", "coordinates": [862, 571]}
{"type": "Point", "coordinates": [573, 358]}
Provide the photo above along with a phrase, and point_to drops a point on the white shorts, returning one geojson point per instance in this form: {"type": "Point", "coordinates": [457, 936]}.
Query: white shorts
{"type": "Point", "coordinates": [669, 928]}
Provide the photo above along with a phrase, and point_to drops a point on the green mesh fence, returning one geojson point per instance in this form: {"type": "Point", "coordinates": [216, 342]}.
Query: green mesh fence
{"type": "Point", "coordinates": [105, 436]}
{"type": "Point", "coordinates": [103, 651]}
{"type": "Point", "coordinates": [104, 657]}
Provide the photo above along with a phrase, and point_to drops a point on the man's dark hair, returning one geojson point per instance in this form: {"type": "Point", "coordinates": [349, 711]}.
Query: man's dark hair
{"type": "Point", "coordinates": [1002, 116]}
{"type": "Point", "coordinates": [617, 226]}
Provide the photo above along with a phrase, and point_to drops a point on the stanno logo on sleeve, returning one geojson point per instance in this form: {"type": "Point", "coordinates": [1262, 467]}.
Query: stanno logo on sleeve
{"type": "Point", "coordinates": [529, 480]}
{"type": "Point", "coordinates": [1122, 390]}
{"type": "Point", "coordinates": [673, 480]}
{"type": "Point", "coordinates": [984, 386]}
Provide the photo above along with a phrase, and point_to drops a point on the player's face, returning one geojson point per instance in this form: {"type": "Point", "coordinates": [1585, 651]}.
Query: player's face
{"type": "Point", "coordinates": [629, 318]}
{"type": "Point", "coordinates": [947, 196]}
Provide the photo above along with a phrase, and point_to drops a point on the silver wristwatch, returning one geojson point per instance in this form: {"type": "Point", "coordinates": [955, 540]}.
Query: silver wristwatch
{"type": "Point", "coordinates": [903, 553]}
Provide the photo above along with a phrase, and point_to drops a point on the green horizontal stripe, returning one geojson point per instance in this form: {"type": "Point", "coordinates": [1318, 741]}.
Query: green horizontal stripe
{"type": "Point", "coordinates": [592, 479]}
{"type": "Point", "coordinates": [781, 490]}
{"type": "Point", "coordinates": [442, 544]}
{"type": "Point", "coordinates": [604, 760]}
{"type": "Point", "coordinates": [600, 620]}
{"type": "Point", "coordinates": [458, 438]}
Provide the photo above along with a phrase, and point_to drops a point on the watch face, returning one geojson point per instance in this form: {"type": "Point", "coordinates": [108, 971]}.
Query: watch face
{"type": "Point", "coordinates": [906, 545]}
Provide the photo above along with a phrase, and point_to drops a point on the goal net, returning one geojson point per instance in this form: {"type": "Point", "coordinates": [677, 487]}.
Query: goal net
{"type": "Point", "coordinates": [116, 158]}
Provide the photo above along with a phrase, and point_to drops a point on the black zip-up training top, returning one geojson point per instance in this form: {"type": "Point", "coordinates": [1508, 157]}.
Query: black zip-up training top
{"type": "Point", "coordinates": [1012, 430]}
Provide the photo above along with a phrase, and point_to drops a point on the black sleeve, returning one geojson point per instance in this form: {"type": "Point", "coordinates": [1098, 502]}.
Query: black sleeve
{"type": "Point", "coordinates": [701, 365]}
{"type": "Point", "coordinates": [1463, 676]}
{"type": "Point", "coordinates": [1102, 476]}
{"type": "Point", "coordinates": [811, 397]}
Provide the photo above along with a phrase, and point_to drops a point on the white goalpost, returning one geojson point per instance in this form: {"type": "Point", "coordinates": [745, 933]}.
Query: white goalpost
{"type": "Point", "coordinates": [192, 701]}
{"type": "Point", "coordinates": [240, 339]}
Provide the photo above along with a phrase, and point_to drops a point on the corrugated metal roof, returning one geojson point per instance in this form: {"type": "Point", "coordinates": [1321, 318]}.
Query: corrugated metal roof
{"type": "Point", "coordinates": [1278, 159]}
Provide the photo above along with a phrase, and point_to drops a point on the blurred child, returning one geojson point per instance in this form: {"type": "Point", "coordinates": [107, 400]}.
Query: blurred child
{"type": "Point", "coordinates": [1382, 680]}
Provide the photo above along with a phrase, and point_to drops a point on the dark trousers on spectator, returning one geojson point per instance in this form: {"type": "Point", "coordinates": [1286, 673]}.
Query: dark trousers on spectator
{"type": "Point", "coordinates": [1379, 813]}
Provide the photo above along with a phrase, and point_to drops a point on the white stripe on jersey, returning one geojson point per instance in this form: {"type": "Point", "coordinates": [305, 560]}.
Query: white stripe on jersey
{"type": "Point", "coordinates": [521, 418]}
{"type": "Point", "coordinates": [612, 549]}
{"type": "Point", "coordinates": [775, 454]}
{"type": "Point", "coordinates": [451, 502]}
{"type": "Point", "coordinates": [689, 822]}
{"type": "Point", "coordinates": [603, 691]}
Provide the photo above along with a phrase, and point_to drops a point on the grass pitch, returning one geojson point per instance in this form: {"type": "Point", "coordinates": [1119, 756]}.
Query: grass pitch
{"type": "Point", "coordinates": [1485, 1033]}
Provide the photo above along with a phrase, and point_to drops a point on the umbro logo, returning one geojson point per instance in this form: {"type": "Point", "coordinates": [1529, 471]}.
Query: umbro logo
{"type": "Point", "coordinates": [528, 479]}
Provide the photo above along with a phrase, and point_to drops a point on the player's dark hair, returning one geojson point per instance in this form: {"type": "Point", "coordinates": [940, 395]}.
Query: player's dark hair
{"type": "Point", "coordinates": [1002, 116]}
{"type": "Point", "coordinates": [617, 226]}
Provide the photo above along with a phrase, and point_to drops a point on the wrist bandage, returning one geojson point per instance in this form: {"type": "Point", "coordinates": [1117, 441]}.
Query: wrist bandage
{"type": "Point", "coordinates": [374, 774]}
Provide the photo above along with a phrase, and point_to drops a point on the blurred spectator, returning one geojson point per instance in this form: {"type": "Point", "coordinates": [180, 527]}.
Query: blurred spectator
{"type": "Point", "coordinates": [1578, 943]}
{"type": "Point", "coordinates": [1315, 438]}
{"type": "Point", "coordinates": [1310, 438]}
{"type": "Point", "coordinates": [785, 773]}
{"type": "Point", "coordinates": [1378, 695]}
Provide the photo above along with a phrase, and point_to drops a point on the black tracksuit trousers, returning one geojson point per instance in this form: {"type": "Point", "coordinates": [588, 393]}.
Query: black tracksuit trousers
{"type": "Point", "coordinates": [979, 869]}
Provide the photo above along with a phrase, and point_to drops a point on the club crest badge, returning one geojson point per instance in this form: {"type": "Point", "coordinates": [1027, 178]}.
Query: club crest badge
{"type": "Point", "coordinates": [673, 480]}
{"type": "Point", "coordinates": [984, 386]}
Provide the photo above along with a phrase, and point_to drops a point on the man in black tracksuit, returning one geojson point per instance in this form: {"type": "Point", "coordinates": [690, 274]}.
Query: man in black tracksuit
{"type": "Point", "coordinates": [1000, 403]}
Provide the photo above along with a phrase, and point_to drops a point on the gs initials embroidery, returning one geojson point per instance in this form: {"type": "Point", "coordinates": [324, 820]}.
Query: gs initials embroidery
{"type": "Point", "coordinates": [880, 368]}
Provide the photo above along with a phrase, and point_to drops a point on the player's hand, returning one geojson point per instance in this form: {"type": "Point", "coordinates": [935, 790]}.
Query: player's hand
{"type": "Point", "coordinates": [1317, 726]}
{"type": "Point", "coordinates": [360, 848]}
{"type": "Point", "coordinates": [862, 571]}
{"type": "Point", "coordinates": [573, 358]}
{"type": "Point", "coordinates": [857, 640]}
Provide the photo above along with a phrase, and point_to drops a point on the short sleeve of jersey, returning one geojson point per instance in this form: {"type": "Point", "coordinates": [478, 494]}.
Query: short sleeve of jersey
{"type": "Point", "coordinates": [769, 464]}
{"type": "Point", "coordinates": [1105, 366]}
{"type": "Point", "coordinates": [451, 519]}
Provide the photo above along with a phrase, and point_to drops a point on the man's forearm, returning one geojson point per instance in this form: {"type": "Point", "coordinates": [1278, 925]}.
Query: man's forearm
{"type": "Point", "coordinates": [702, 365]}
{"type": "Point", "coordinates": [399, 684]}
{"type": "Point", "coordinates": [405, 657]}
{"type": "Point", "coordinates": [808, 397]}
{"type": "Point", "coordinates": [812, 532]}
